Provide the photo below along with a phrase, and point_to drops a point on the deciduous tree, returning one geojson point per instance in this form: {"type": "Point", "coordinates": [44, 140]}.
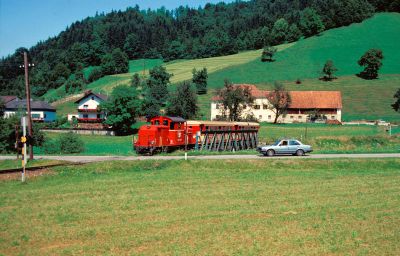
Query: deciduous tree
{"type": "Point", "coordinates": [372, 62]}
{"type": "Point", "coordinates": [122, 108]}
{"type": "Point", "coordinates": [156, 93]}
{"type": "Point", "coordinates": [329, 70]}
{"type": "Point", "coordinates": [200, 80]}
{"type": "Point", "coordinates": [268, 53]}
{"type": "Point", "coordinates": [311, 23]}
{"type": "Point", "coordinates": [279, 100]}
{"type": "Point", "coordinates": [396, 104]}
{"type": "Point", "coordinates": [234, 99]}
{"type": "Point", "coordinates": [183, 102]}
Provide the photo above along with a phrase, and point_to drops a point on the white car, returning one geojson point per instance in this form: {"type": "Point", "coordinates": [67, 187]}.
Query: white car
{"type": "Point", "coordinates": [285, 147]}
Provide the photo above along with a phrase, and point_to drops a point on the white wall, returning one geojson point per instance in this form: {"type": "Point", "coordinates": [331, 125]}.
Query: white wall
{"type": "Point", "coordinates": [267, 115]}
{"type": "Point", "coordinates": [91, 103]}
{"type": "Point", "coordinates": [47, 116]}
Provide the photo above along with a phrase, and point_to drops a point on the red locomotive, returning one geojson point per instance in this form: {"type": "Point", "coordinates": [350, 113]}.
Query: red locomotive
{"type": "Point", "coordinates": [165, 134]}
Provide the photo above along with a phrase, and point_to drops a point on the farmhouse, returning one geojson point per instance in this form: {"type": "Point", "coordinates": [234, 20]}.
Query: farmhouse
{"type": "Point", "coordinates": [89, 115]}
{"type": "Point", "coordinates": [41, 111]}
{"type": "Point", "coordinates": [305, 106]}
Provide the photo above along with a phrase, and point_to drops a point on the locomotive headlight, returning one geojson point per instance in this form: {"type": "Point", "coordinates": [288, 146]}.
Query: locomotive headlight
{"type": "Point", "coordinates": [152, 142]}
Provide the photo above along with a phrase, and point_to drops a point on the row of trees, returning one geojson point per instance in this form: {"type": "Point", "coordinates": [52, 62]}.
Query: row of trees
{"type": "Point", "coordinates": [371, 61]}
{"type": "Point", "coordinates": [150, 97]}
{"type": "Point", "coordinates": [212, 30]}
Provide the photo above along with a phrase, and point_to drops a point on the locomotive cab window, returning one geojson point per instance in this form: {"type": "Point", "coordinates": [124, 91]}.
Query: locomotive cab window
{"type": "Point", "coordinates": [157, 122]}
{"type": "Point", "coordinates": [171, 126]}
{"type": "Point", "coordinates": [165, 122]}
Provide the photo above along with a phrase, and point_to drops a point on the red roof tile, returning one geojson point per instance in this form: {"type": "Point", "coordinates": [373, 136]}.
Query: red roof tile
{"type": "Point", "coordinates": [316, 99]}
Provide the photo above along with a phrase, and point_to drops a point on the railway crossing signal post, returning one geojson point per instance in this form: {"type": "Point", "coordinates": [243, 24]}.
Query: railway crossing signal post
{"type": "Point", "coordinates": [23, 140]}
{"type": "Point", "coordinates": [28, 99]}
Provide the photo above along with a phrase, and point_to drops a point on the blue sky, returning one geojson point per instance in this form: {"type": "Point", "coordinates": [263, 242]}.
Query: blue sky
{"type": "Point", "coordinates": [25, 22]}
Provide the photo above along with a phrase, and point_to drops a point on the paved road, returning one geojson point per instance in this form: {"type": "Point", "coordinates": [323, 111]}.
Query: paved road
{"type": "Point", "coordinates": [88, 159]}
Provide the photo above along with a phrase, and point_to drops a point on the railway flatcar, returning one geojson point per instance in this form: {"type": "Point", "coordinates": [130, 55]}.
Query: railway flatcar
{"type": "Point", "coordinates": [165, 134]}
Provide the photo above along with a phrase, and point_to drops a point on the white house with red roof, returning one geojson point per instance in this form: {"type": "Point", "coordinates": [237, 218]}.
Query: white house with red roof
{"type": "Point", "coordinates": [303, 103]}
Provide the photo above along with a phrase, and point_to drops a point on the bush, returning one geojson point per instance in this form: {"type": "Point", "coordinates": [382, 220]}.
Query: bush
{"type": "Point", "coordinates": [71, 143]}
{"type": "Point", "coordinates": [96, 73]}
{"type": "Point", "coordinates": [51, 146]}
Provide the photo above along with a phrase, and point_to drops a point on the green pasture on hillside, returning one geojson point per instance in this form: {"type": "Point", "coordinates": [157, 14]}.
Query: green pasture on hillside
{"type": "Point", "coordinates": [307, 57]}
{"type": "Point", "coordinates": [272, 207]}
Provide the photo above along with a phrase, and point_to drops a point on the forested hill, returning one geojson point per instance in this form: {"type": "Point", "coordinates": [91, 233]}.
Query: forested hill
{"type": "Point", "coordinates": [212, 30]}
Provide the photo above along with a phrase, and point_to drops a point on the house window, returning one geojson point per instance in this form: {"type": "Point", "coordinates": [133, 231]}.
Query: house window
{"type": "Point", "coordinates": [98, 116]}
{"type": "Point", "coordinates": [300, 117]}
{"type": "Point", "coordinates": [269, 116]}
{"type": "Point", "coordinates": [35, 116]}
{"type": "Point", "coordinates": [291, 117]}
{"type": "Point", "coordinates": [85, 116]}
{"type": "Point", "coordinates": [85, 106]}
{"type": "Point", "coordinates": [44, 115]}
{"type": "Point", "coordinates": [256, 106]}
{"type": "Point", "coordinates": [265, 106]}
{"type": "Point", "coordinates": [260, 117]}
{"type": "Point", "coordinates": [333, 117]}
{"type": "Point", "coordinates": [92, 98]}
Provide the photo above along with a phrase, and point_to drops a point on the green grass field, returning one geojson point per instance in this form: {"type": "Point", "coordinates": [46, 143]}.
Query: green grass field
{"type": "Point", "coordinates": [270, 207]}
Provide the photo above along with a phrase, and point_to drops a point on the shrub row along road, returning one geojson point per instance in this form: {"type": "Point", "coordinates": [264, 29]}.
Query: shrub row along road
{"type": "Point", "coordinates": [88, 159]}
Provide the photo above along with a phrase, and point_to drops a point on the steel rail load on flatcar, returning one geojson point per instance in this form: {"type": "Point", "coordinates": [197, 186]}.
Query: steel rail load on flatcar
{"type": "Point", "coordinates": [165, 134]}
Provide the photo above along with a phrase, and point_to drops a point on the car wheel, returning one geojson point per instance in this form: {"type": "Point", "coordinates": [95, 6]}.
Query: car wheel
{"type": "Point", "coordinates": [299, 152]}
{"type": "Point", "coordinates": [270, 152]}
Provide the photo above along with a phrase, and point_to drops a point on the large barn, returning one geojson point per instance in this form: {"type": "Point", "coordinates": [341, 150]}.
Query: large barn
{"type": "Point", "coordinates": [305, 104]}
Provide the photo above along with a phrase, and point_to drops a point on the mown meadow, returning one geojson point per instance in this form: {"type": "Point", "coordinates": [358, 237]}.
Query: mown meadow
{"type": "Point", "coordinates": [242, 207]}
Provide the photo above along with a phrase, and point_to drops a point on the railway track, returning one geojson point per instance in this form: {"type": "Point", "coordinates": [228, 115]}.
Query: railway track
{"type": "Point", "coordinates": [36, 168]}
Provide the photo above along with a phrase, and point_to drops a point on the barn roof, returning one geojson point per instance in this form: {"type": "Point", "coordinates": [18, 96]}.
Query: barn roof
{"type": "Point", "coordinates": [35, 105]}
{"type": "Point", "coordinates": [316, 99]}
{"type": "Point", "coordinates": [302, 99]}
{"type": "Point", "coordinates": [7, 98]}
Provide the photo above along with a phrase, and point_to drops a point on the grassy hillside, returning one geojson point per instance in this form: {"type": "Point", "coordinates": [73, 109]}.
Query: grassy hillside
{"type": "Point", "coordinates": [362, 99]}
{"type": "Point", "coordinates": [306, 58]}
{"type": "Point", "coordinates": [242, 207]}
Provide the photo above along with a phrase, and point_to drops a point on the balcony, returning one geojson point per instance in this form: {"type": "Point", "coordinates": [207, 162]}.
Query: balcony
{"type": "Point", "coordinates": [90, 120]}
{"type": "Point", "coordinates": [86, 110]}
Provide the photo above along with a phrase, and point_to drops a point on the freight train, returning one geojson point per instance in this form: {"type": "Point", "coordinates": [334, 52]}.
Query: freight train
{"type": "Point", "coordinates": [165, 134]}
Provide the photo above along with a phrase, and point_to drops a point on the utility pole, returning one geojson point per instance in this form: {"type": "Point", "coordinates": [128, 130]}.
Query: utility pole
{"type": "Point", "coordinates": [28, 103]}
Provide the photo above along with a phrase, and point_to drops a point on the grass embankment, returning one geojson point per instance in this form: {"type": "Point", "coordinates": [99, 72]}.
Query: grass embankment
{"type": "Point", "coordinates": [319, 207]}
